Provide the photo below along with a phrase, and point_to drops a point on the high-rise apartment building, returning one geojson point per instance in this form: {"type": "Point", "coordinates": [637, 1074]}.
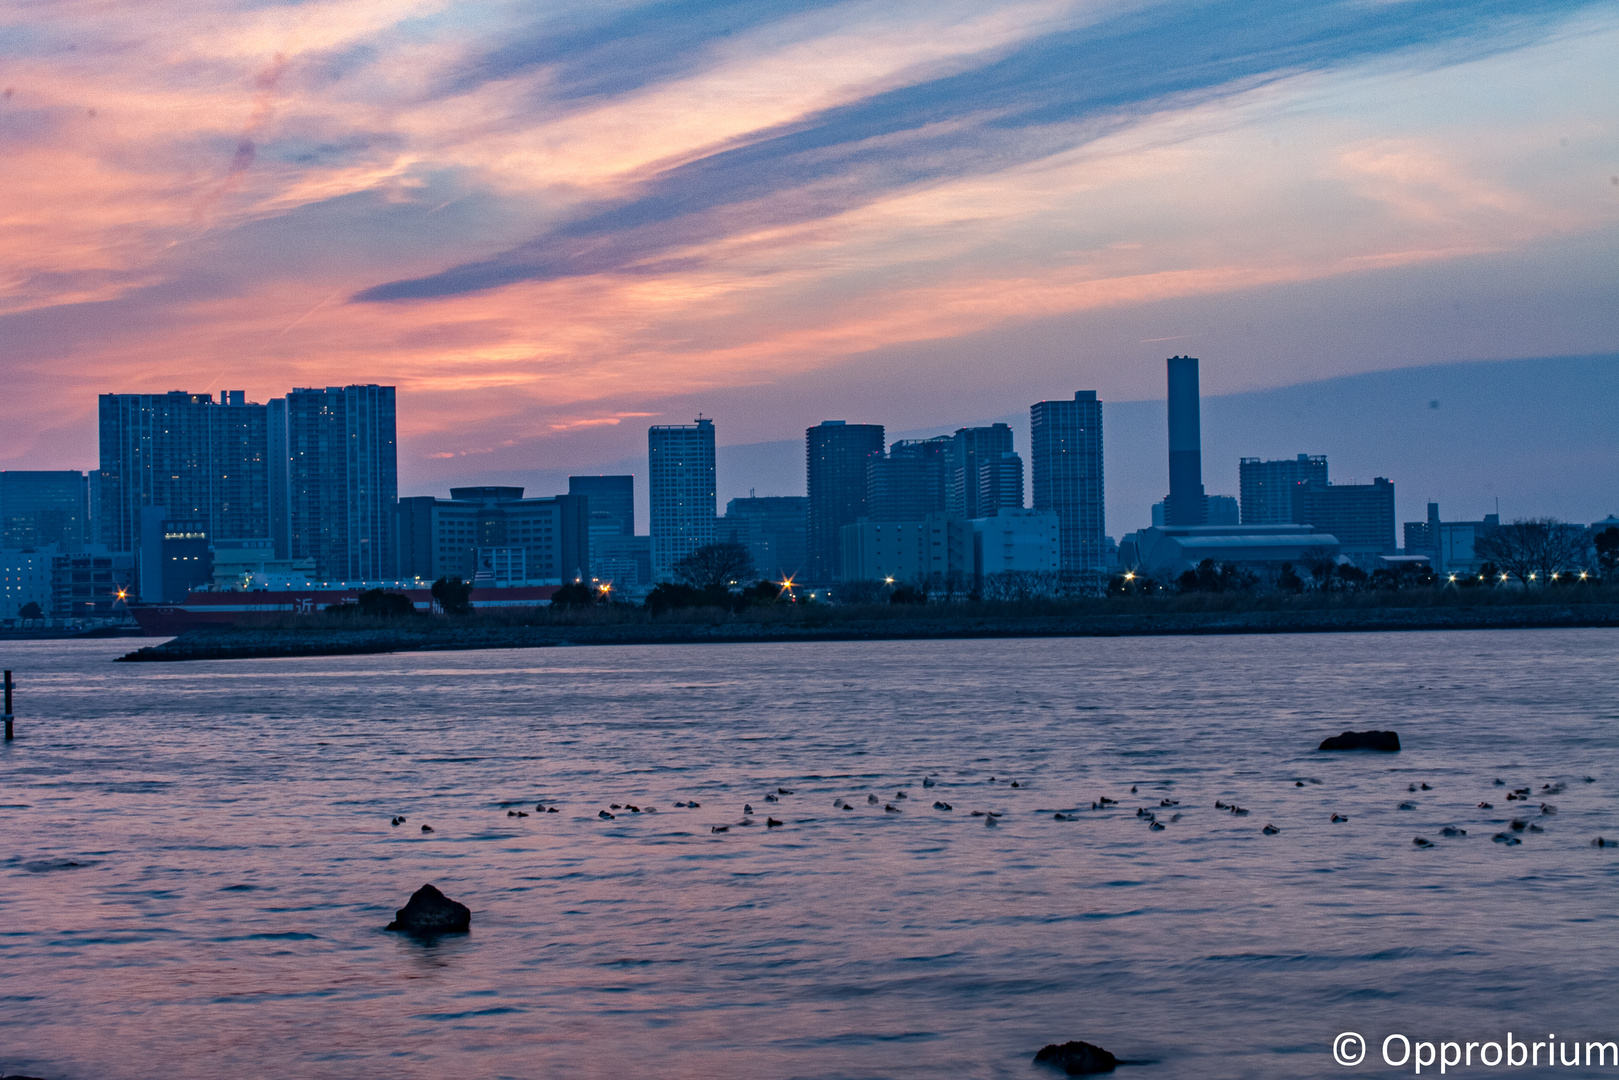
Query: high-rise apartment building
{"type": "Point", "coordinates": [682, 490]}
{"type": "Point", "coordinates": [201, 459]}
{"type": "Point", "coordinates": [1065, 444]}
{"type": "Point", "coordinates": [970, 448]}
{"type": "Point", "coordinates": [1267, 487]}
{"type": "Point", "coordinates": [774, 530]}
{"type": "Point", "coordinates": [911, 481]}
{"type": "Point", "coordinates": [1000, 484]}
{"type": "Point", "coordinates": [1361, 516]}
{"type": "Point", "coordinates": [838, 457]}
{"type": "Point", "coordinates": [342, 481]}
{"type": "Point", "coordinates": [42, 508]}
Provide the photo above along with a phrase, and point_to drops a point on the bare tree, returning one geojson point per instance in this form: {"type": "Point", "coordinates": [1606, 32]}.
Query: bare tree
{"type": "Point", "coordinates": [1533, 548]}
{"type": "Point", "coordinates": [716, 566]}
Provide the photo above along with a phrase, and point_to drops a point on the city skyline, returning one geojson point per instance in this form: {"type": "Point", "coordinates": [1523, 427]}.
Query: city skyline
{"type": "Point", "coordinates": [540, 254]}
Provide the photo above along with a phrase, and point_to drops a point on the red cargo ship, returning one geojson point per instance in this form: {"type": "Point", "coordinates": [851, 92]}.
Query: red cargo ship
{"type": "Point", "coordinates": [232, 608]}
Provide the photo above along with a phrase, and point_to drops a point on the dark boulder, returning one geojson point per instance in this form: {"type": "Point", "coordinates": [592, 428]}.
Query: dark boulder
{"type": "Point", "coordinates": [431, 912]}
{"type": "Point", "coordinates": [1077, 1058]}
{"type": "Point", "coordinates": [1363, 740]}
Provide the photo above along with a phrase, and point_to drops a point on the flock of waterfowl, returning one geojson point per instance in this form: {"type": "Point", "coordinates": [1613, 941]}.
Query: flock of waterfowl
{"type": "Point", "coordinates": [1524, 821]}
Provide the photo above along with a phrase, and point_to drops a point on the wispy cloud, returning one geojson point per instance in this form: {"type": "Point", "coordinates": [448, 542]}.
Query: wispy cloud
{"type": "Point", "coordinates": [548, 221]}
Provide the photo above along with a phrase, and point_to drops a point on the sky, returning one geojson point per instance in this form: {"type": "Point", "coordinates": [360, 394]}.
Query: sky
{"type": "Point", "coordinates": [550, 225]}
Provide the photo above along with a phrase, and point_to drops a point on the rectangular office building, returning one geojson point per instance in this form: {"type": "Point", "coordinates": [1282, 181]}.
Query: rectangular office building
{"type": "Point", "coordinates": [201, 459]}
{"type": "Point", "coordinates": [838, 457]}
{"type": "Point", "coordinates": [342, 481]}
{"type": "Point", "coordinates": [38, 508]}
{"type": "Point", "coordinates": [1066, 447]}
{"type": "Point", "coordinates": [1267, 487]}
{"type": "Point", "coordinates": [774, 528]}
{"type": "Point", "coordinates": [682, 492]}
{"type": "Point", "coordinates": [494, 531]}
{"type": "Point", "coordinates": [1361, 516]}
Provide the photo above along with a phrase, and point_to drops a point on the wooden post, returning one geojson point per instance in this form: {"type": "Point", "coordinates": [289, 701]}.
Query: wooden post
{"type": "Point", "coordinates": [8, 705]}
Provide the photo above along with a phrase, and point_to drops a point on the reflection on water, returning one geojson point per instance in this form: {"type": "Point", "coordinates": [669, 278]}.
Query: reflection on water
{"type": "Point", "coordinates": [198, 859]}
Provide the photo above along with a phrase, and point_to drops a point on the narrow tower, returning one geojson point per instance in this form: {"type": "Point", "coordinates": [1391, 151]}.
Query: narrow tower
{"type": "Point", "coordinates": [1185, 505]}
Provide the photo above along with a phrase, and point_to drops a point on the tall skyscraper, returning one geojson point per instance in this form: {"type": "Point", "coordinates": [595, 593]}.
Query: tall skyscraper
{"type": "Point", "coordinates": [682, 490]}
{"type": "Point", "coordinates": [42, 508]}
{"type": "Point", "coordinates": [1065, 444]}
{"type": "Point", "coordinates": [1000, 484]}
{"type": "Point", "coordinates": [838, 456]}
{"type": "Point", "coordinates": [342, 481]}
{"type": "Point", "coordinates": [1267, 487]}
{"type": "Point", "coordinates": [612, 503]}
{"type": "Point", "coordinates": [1185, 505]}
{"type": "Point", "coordinates": [202, 460]}
{"type": "Point", "coordinates": [971, 447]}
{"type": "Point", "coordinates": [911, 481]}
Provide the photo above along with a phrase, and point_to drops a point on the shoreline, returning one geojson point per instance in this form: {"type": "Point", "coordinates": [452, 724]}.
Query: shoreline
{"type": "Point", "coordinates": [250, 643]}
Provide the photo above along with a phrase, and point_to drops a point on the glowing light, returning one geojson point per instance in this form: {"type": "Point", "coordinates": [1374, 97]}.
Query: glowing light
{"type": "Point", "coordinates": [889, 580]}
{"type": "Point", "coordinates": [1129, 575]}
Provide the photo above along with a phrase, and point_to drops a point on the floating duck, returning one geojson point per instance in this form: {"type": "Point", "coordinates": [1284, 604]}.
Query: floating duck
{"type": "Point", "coordinates": [772, 823]}
{"type": "Point", "coordinates": [1420, 842]}
{"type": "Point", "coordinates": [1505, 838]}
{"type": "Point", "coordinates": [927, 781]}
{"type": "Point", "coordinates": [1270, 830]}
{"type": "Point", "coordinates": [890, 808]}
{"type": "Point", "coordinates": [941, 806]}
{"type": "Point", "coordinates": [427, 828]}
{"type": "Point", "coordinates": [720, 828]}
{"type": "Point", "coordinates": [1156, 827]}
{"type": "Point", "coordinates": [871, 800]}
{"type": "Point", "coordinates": [1451, 830]}
{"type": "Point", "coordinates": [1486, 806]}
{"type": "Point", "coordinates": [783, 791]}
{"type": "Point", "coordinates": [605, 816]}
{"type": "Point", "coordinates": [1408, 806]}
{"type": "Point", "coordinates": [1339, 817]}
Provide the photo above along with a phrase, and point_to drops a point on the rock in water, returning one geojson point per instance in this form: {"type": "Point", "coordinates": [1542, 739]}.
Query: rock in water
{"type": "Point", "coordinates": [431, 912]}
{"type": "Point", "coordinates": [1077, 1058]}
{"type": "Point", "coordinates": [1363, 740]}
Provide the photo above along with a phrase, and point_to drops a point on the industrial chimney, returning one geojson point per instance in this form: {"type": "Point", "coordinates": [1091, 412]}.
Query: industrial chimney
{"type": "Point", "coordinates": [1186, 504]}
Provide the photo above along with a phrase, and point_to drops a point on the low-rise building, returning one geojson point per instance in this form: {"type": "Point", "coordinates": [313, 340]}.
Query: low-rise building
{"type": "Point", "coordinates": [1449, 544]}
{"type": "Point", "coordinates": [91, 584]}
{"type": "Point", "coordinates": [25, 578]}
{"type": "Point", "coordinates": [1175, 549]}
{"type": "Point", "coordinates": [906, 551]}
{"type": "Point", "coordinates": [443, 537]}
{"type": "Point", "coordinates": [901, 550]}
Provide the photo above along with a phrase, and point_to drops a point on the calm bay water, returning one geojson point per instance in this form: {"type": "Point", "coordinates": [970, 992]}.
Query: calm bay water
{"type": "Point", "coordinates": [198, 861]}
